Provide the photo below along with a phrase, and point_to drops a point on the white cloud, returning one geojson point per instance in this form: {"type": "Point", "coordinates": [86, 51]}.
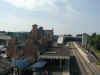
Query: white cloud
{"type": "Point", "coordinates": [51, 6]}
{"type": "Point", "coordinates": [31, 4]}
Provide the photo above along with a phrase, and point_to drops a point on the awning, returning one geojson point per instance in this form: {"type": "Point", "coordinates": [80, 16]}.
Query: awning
{"type": "Point", "coordinates": [21, 63]}
{"type": "Point", "coordinates": [38, 65]}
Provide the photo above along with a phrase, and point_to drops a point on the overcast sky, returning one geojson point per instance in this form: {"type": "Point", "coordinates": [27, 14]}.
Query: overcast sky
{"type": "Point", "coordinates": [65, 16]}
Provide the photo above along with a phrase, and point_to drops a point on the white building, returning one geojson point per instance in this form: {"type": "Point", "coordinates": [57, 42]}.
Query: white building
{"type": "Point", "coordinates": [60, 39]}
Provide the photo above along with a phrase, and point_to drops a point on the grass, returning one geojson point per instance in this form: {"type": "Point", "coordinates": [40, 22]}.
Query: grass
{"type": "Point", "coordinates": [97, 52]}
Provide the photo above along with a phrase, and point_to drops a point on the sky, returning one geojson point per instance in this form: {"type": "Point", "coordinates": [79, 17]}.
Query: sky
{"type": "Point", "coordinates": [64, 16]}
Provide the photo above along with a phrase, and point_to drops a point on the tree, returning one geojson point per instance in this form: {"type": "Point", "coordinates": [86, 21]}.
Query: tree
{"type": "Point", "coordinates": [93, 35]}
{"type": "Point", "coordinates": [94, 41]}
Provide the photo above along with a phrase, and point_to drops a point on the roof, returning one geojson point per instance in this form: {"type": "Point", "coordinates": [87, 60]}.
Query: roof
{"type": "Point", "coordinates": [5, 37]}
{"type": "Point", "coordinates": [25, 63]}
{"type": "Point", "coordinates": [38, 65]}
{"type": "Point", "coordinates": [21, 63]}
{"type": "Point", "coordinates": [57, 53]}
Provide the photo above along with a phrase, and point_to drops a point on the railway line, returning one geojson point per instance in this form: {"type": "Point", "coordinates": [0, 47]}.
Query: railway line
{"type": "Point", "coordinates": [87, 68]}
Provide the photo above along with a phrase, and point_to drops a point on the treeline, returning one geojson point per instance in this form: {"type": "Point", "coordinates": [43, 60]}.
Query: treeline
{"type": "Point", "coordinates": [94, 41]}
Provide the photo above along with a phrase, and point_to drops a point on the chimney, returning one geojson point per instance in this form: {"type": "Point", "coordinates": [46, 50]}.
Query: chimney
{"type": "Point", "coordinates": [34, 27]}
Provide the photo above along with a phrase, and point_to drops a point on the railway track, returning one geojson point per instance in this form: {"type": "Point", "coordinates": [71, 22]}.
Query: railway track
{"type": "Point", "coordinates": [81, 63]}
{"type": "Point", "coordinates": [87, 68]}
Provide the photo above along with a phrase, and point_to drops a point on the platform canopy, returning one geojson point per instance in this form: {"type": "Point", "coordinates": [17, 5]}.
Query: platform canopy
{"type": "Point", "coordinates": [5, 37]}
{"type": "Point", "coordinates": [56, 53]}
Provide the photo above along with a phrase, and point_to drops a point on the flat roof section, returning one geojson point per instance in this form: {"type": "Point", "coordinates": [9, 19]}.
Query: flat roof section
{"type": "Point", "coordinates": [57, 53]}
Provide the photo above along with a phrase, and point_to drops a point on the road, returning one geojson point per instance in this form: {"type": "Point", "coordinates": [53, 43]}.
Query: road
{"type": "Point", "coordinates": [86, 67]}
